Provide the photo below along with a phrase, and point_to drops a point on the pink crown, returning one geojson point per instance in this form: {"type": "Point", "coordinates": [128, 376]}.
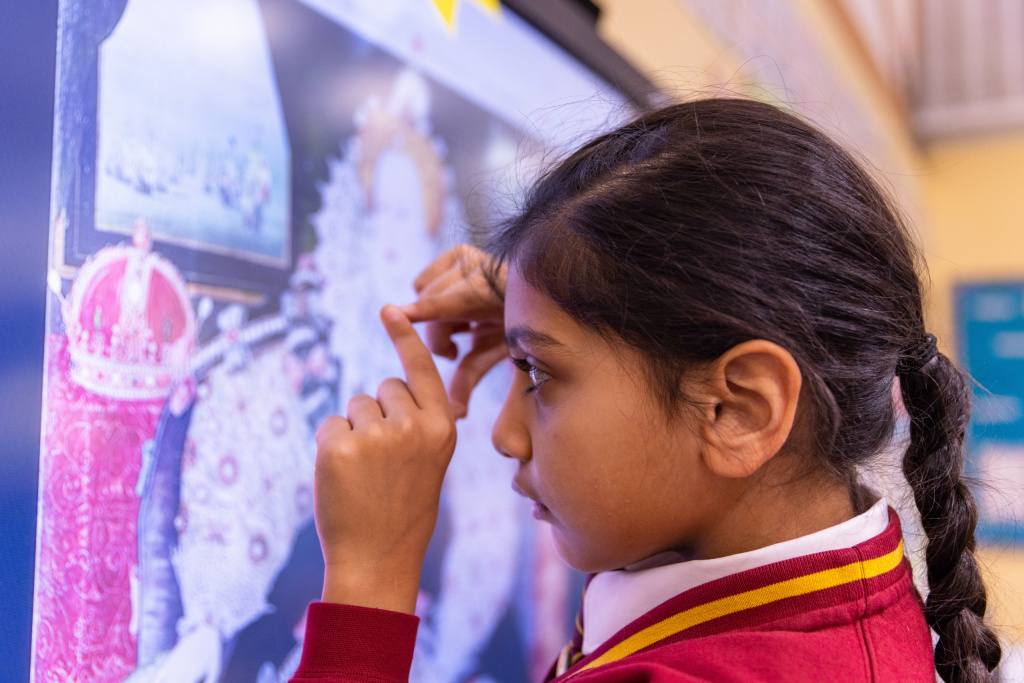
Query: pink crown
{"type": "Point", "coordinates": [130, 325]}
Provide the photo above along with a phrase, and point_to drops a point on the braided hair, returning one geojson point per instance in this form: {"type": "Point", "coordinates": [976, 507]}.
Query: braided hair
{"type": "Point", "coordinates": [706, 224]}
{"type": "Point", "coordinates": [938, 403]}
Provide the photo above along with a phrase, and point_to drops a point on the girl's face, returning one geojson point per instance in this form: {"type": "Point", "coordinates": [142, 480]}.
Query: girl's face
{"type": "Point", "coordinates": [617, 479]}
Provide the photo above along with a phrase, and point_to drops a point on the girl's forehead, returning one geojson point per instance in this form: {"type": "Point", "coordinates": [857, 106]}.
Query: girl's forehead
{"type": "Point", "coordinates": [527, 306]}
{"type": "Point", "coordinates": [534, 321]}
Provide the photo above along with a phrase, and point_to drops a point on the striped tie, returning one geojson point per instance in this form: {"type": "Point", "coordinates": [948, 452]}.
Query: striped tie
{"type": "Point", "coordinates": [573, 650]}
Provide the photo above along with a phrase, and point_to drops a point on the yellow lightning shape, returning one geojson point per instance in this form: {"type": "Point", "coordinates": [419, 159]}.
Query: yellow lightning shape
{"type": "Point", "coordinates": [447, 8]}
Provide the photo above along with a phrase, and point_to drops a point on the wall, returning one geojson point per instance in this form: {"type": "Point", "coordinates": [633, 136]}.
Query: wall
{"type": "Point", "coordinates": [975, 216]}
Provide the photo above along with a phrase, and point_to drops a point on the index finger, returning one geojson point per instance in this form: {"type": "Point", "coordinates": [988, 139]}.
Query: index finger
{"type": "Point", "coordinates": [458, 306]}
{"type": "Point", "coordinates": [421, 374]}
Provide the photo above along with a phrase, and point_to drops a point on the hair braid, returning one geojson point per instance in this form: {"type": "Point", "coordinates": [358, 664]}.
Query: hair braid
{"type": "Point", "coordinates": [937, 400]}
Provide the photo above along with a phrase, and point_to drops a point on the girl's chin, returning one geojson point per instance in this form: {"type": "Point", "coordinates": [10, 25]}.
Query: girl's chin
{"type": "Point", "coordinates": [584, 559]}
{"type": "Point", "coordinates": [573, 555]}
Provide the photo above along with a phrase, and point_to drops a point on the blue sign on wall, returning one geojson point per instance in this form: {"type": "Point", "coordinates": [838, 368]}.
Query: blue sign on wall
{"type": "Point", "coordinates": [990, 323]}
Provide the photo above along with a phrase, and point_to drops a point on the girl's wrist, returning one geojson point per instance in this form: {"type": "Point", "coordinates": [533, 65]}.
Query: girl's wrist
{"type": "Point", "coordinates": [380, 588]}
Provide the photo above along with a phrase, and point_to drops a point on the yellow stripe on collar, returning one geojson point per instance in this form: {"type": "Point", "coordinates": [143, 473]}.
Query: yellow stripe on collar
{"type": "Point", "coordinates": [829, 578]}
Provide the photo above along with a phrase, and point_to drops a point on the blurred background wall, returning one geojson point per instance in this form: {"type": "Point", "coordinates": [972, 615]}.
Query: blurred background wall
{"type": "Point", "coordinates": [931, 93]}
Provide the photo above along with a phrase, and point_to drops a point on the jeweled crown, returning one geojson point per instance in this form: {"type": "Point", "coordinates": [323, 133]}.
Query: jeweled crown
{"type": "Point", "coordinates": [130, 325]}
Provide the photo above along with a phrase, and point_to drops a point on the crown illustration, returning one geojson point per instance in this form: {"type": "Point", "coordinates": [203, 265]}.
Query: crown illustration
{"type": "Point", "coordinates": [130, 326]}
{"type": "Point", "coordinates": [402, 124]}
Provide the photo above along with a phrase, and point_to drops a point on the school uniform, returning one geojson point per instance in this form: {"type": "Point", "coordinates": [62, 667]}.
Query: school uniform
{"type": "Point", "coordinates": [836, 605]}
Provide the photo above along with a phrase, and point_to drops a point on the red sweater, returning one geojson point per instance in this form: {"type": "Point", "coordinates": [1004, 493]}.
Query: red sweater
{"type": "Point", "coordinates": [843, 615]}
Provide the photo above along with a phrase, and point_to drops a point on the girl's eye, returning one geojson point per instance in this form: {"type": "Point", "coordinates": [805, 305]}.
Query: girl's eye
{"type": "Point", "coordinates": [537, 376]}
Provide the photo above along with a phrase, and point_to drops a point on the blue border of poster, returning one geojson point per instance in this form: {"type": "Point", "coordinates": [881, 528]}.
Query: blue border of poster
{"type": "Point", "coordinates": [28, 36]}
{"type": "Point", "coordinates": [990, 331]}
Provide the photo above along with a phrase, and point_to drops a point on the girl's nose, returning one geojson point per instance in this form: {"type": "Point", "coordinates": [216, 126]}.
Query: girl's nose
{"type": "Point", "coordinates": [510, 436]}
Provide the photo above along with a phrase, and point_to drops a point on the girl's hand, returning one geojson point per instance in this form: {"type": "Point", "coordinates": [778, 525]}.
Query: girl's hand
{"type": "Point", "coordinates": [455, 297]}
{"type": "Point", "coordinates": [378, 480]}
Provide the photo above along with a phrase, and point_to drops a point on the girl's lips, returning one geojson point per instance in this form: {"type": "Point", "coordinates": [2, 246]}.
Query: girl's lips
{"type": "Point", "coordinates": [539, 510]}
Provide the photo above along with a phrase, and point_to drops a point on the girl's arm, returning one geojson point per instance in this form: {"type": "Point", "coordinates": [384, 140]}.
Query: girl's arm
{"type": "Point", "coordinates": [377, 490]}
{"type": "Point", "coordinates": [378, 480]}
{"type": "Point", "coordinates": [379, 473]}
{"type": "Point", "coordinates": [346, 644]}
{"type": "Point", "coordinates": [349, 643]}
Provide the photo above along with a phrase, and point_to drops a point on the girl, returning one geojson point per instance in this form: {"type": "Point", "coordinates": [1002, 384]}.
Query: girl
{"type": "Point", "coordinates": [709, 308]}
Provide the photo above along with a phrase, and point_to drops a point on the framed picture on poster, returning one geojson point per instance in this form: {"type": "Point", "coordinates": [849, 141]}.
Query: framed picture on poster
{"type": "Point", "coordinates": [178, 126]}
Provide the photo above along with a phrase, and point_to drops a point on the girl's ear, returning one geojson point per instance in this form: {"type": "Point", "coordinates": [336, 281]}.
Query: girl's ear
{"type": "Point", "coordinates": [752, 395]}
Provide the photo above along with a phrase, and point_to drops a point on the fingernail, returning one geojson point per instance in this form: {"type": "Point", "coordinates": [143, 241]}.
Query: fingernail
{"type": "Point", "coordinates": [391, 313]}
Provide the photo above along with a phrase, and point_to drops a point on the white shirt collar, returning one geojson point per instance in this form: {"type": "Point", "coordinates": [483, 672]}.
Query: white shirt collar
{"type": "Point", "coordinates": [614, 599]}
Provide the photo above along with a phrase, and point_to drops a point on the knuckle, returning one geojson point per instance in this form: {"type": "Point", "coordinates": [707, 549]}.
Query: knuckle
{"type": "Point", "coordinates": [442, 431]}
{"type": "Point", "coordinates": [325, 428]}
{"type": "Point", "coordinates": [374, 432]}
{"type": "Point", "coordinates": [341, 448]}
{"type": "Point", "coordinates": [391, 384]}
{"type": "Point", "coordinates": [406, 427]}
{"type": "Point", "coordinates": [357, 400]}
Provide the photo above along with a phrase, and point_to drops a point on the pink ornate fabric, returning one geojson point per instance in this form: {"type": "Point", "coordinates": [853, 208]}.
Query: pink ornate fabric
{"type": "Point", "coordinates": [87, 541]}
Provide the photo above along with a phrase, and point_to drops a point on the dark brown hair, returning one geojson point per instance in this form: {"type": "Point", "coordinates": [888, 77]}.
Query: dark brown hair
{"type": "Point", "coordinates": [706, 224]}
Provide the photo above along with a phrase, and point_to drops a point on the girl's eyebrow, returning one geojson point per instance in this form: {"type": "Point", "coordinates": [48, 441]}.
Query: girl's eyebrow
{"type": "Point", "coordinates": [517, 335]}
